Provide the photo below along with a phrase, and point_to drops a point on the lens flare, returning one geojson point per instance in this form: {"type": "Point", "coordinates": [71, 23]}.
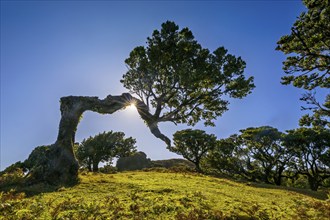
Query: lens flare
{"type": "Point", "coordinates": [131, 106]}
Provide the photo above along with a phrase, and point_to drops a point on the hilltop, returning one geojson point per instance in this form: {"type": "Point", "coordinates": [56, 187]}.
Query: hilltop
{"type": "Point", "coordinates": [162, 194]}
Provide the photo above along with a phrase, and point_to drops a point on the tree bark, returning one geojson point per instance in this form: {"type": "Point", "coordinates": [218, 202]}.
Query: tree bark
{"type": "Point", "coordinates": [89, 167]}
{"type": "Point", "coordinates": [278, 176]}
{"type": "Point", "coordinates": [62, 166]}
{"type": "Point", "coordinates": [95, 166]}
{"type": "Point", "coordinates": [313, 183]}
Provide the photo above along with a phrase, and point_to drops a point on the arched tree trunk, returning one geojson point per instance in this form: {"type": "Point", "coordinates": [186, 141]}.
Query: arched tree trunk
{"type": "Point", "coordinates": [62, 166]}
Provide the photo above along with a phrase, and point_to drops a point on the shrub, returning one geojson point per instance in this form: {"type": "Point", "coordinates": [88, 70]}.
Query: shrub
{"type": "Point", "coordinates": [15, 177]}
{"type": "Point", "coordinates": [108, 169]}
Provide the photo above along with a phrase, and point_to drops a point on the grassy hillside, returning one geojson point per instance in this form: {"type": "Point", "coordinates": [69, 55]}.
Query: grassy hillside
{"type": "Point", "coordinates": [162, 195]}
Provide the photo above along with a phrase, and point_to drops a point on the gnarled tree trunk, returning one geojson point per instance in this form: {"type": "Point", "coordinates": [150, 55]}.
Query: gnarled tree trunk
{"type": "Point", "coordinates": [61, 166]}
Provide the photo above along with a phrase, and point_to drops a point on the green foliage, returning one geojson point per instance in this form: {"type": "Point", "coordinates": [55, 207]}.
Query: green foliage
{"type": "Point", "coordinates": [299, 181]}
{"type": "Point", "coordinates": [108, 169]}
{"type": "Point", "coordinates": [14, 167]}
{"type": "Point", "coordinates": [311, 153]}
{"type": "Point", "coordinates": [172, 163]}
{"type": "Point", "coordinates": [265, 147]}
{"type": "Point", "coordinates": [37, 156]}
{"type": "Point", "coordinates": [298, 158]}
{"type": "Point", "coordinates": [309, 42]}
{"type": "Point", "coordinates": [175, 74]}
{"type": "Point", "coordinates": [11, 178]}
{"type": "Point", "coordinates": [152, 195]}
{"type": "Point", "coordinates": [103, 148]}
{"type": "Point", "coordinates": [37, 162]}
{"type": "Point", "coordinates": [321, 112]}
{"type": "Point", "coordinates": [226, 158]}
{"type": "Point", "coordinates": [308, 66]}
{"type": "Point", "coordinates": [193, 145]}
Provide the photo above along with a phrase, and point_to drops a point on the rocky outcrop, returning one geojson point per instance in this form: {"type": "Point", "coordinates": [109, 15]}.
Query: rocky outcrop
{"type": "Point", "coordinates": [137, 161]}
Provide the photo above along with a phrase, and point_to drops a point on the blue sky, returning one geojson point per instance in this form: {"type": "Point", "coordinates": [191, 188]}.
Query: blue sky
{"type": "Point", "coordinates": [51, 49]}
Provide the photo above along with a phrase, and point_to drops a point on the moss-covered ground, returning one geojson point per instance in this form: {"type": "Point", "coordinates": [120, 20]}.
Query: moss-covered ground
{"type": "Point", "coordinates": [162, 195]}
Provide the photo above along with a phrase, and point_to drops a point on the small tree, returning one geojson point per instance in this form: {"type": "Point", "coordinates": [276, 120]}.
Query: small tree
{"type": "Point", "coordinates": [103, 148]}
{"type": "Point", "coordinates": [311, 153]}
{"type": "Point", "coordinates": [225, 158]}
{"type": "Point", "coordinates": [308, 66]}
{"type": "Point", "coordinates": [193, 145]}
{"type": "Point", "coordinates": [265, 147]}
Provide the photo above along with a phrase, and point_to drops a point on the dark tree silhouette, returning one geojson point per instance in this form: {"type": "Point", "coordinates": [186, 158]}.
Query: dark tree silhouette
{"type": "Point", "coordinates": [181, 81]}
{"type": "Point", "coordinates": [103, 147]}
{"type": "Point", "coordinates": [265, 147]}
{"type": "Point", "coordinates": [59, 165]}
{"type": "Point", "coordinates": [310, 148]}
{"type": "Point", "coordinates": [173, 76]}
{"type": "Point", "coordinates": [193, 145]}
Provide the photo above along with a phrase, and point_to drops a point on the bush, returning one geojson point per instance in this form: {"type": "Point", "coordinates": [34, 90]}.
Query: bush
{"type": "Point", "coordinates": [14, 167]}
{"type": "Point", "coordinates": [13, 178]}
{"type": "Point", "coordinates": [172, 163]}
{"type": "Point", "coordinates": [181, 168]}
{"type": "Point", "coordinates": [108, 169]}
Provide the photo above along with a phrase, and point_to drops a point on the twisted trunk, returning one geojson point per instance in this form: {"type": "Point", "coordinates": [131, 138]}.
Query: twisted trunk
{"type": "Point", "coordinates": [61, 166]}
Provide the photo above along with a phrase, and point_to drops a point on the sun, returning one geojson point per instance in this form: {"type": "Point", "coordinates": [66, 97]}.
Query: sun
{"type": "Point", "coordinates": [131, 107]}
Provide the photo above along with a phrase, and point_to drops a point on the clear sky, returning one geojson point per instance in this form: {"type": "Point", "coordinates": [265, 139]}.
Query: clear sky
{"type": "Point", "coordinates": [51, 49]}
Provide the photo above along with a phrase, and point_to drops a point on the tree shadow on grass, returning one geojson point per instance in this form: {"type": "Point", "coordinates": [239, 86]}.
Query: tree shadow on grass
{"type": "Point", "coordinates": [321, 194]}
{"type": "Point", "coordinates": [12, 185]}
{"type": "Point", "coordinates": [28, 190]}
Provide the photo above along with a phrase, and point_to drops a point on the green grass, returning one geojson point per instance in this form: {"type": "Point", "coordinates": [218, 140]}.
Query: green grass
{"type": "Point", "coordinates": [162, 195]}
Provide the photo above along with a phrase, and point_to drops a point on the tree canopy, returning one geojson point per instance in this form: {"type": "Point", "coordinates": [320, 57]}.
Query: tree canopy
{"type": "Point", "coordinates": [193, 145]}
{"type": "Point", "coordinates": [308, 63]}
{"type": "Point", "coordinates": [309, 44]}
{"type": "Point", "coordinates": [225, 157]}
{"type": "Point", "coordinates": [310, 148]}
{"type": "Point", "coordinates": [266, 149]}
{"type": "Point", "coordinates": [182, 81]}
{"type": "Point", "coordinates": [103, 148]}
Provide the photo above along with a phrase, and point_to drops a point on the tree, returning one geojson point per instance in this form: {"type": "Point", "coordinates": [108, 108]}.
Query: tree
{"type": "Point", "coordinates": [182, 81]}
{"type": "Point", "coordinates": [103, 148]}
{"type": "Point", "coordinates": [173, 75]}
{"type": "Point", "coordinates": [309, 65]}
{"type": "Point", "coordinates": [193, 145]}
{"type": "Point", "coordinates": [59, 165]}
{"type": "Point", "coordinates": [311, 153]}
{"type": "Point", "coordinates": [226, 158]}
{"type": "Point", "coordinates": [265, 147]}
{"type": "Point", "coordinates": [321, 112]}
